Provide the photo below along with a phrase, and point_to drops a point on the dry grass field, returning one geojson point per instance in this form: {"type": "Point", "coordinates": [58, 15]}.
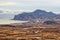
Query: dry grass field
{"type": "Point", "coordinates": [30, 32]}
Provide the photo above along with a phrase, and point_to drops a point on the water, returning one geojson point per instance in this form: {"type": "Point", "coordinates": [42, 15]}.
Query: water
{"type": "Point", "coordinates": [7, 21]}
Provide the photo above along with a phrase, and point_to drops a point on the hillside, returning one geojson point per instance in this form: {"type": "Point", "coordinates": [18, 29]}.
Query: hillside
{"type": "Point", "coordinates": [37, 14]}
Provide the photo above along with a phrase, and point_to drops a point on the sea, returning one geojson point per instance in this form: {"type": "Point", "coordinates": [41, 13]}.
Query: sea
{"type": "Point", "coordinates": [8, 21]}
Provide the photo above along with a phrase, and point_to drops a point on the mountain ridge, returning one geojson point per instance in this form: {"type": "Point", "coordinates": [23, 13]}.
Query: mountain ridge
{"type": "Point", "coordinates": [37, 14]}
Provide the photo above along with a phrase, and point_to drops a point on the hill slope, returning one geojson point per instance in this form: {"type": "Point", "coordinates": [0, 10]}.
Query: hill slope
{"type": "Point", "coordinates": [37, 14]}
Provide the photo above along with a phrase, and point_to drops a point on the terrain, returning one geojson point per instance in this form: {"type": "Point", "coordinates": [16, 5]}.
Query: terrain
{"type": "Point", "coordinates": [37, 14]}
{"type": "Point", "coordinates": [40, 25]}
{"type": "Point", "coordinates": [31, 31]}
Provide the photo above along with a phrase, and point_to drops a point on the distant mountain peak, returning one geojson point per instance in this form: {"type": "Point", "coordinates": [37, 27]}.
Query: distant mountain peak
{"type": "Point", "coordinates": [50, 12]}
{"type": "Point", "coordinates": [37, 14]}
{"type": "Point", "coordinates": [39, 11]}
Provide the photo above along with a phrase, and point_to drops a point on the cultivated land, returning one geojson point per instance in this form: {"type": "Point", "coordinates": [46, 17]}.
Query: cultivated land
{"type": "Point", "coordinates": [28, 31]}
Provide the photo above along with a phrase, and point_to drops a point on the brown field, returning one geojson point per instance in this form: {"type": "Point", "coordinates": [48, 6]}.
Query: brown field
{"type": "Point", "coordinates": [30, 32]}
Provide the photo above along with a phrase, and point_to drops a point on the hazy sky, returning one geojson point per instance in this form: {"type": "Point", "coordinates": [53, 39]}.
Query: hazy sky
{"type": "Point", "coordinates": [29, 5]}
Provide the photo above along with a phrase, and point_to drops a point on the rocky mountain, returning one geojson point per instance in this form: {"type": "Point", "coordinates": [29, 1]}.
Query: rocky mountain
{"type": "Point", "coordinates": [37, 14]}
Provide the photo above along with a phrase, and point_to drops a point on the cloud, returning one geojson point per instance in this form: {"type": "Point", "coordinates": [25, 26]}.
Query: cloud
{"type": "Point", "coordinates": [7, 3]}
{"type": "Point", "coordinates": [12, 3]}
{"type": "Point", "coordinates": [49, 5]}
{"type": "Point", "coordinates": [29, 2]}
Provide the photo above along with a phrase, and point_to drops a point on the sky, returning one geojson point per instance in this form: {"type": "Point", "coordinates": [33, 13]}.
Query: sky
{"type": "Point", "coordinates": [15, 6]}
